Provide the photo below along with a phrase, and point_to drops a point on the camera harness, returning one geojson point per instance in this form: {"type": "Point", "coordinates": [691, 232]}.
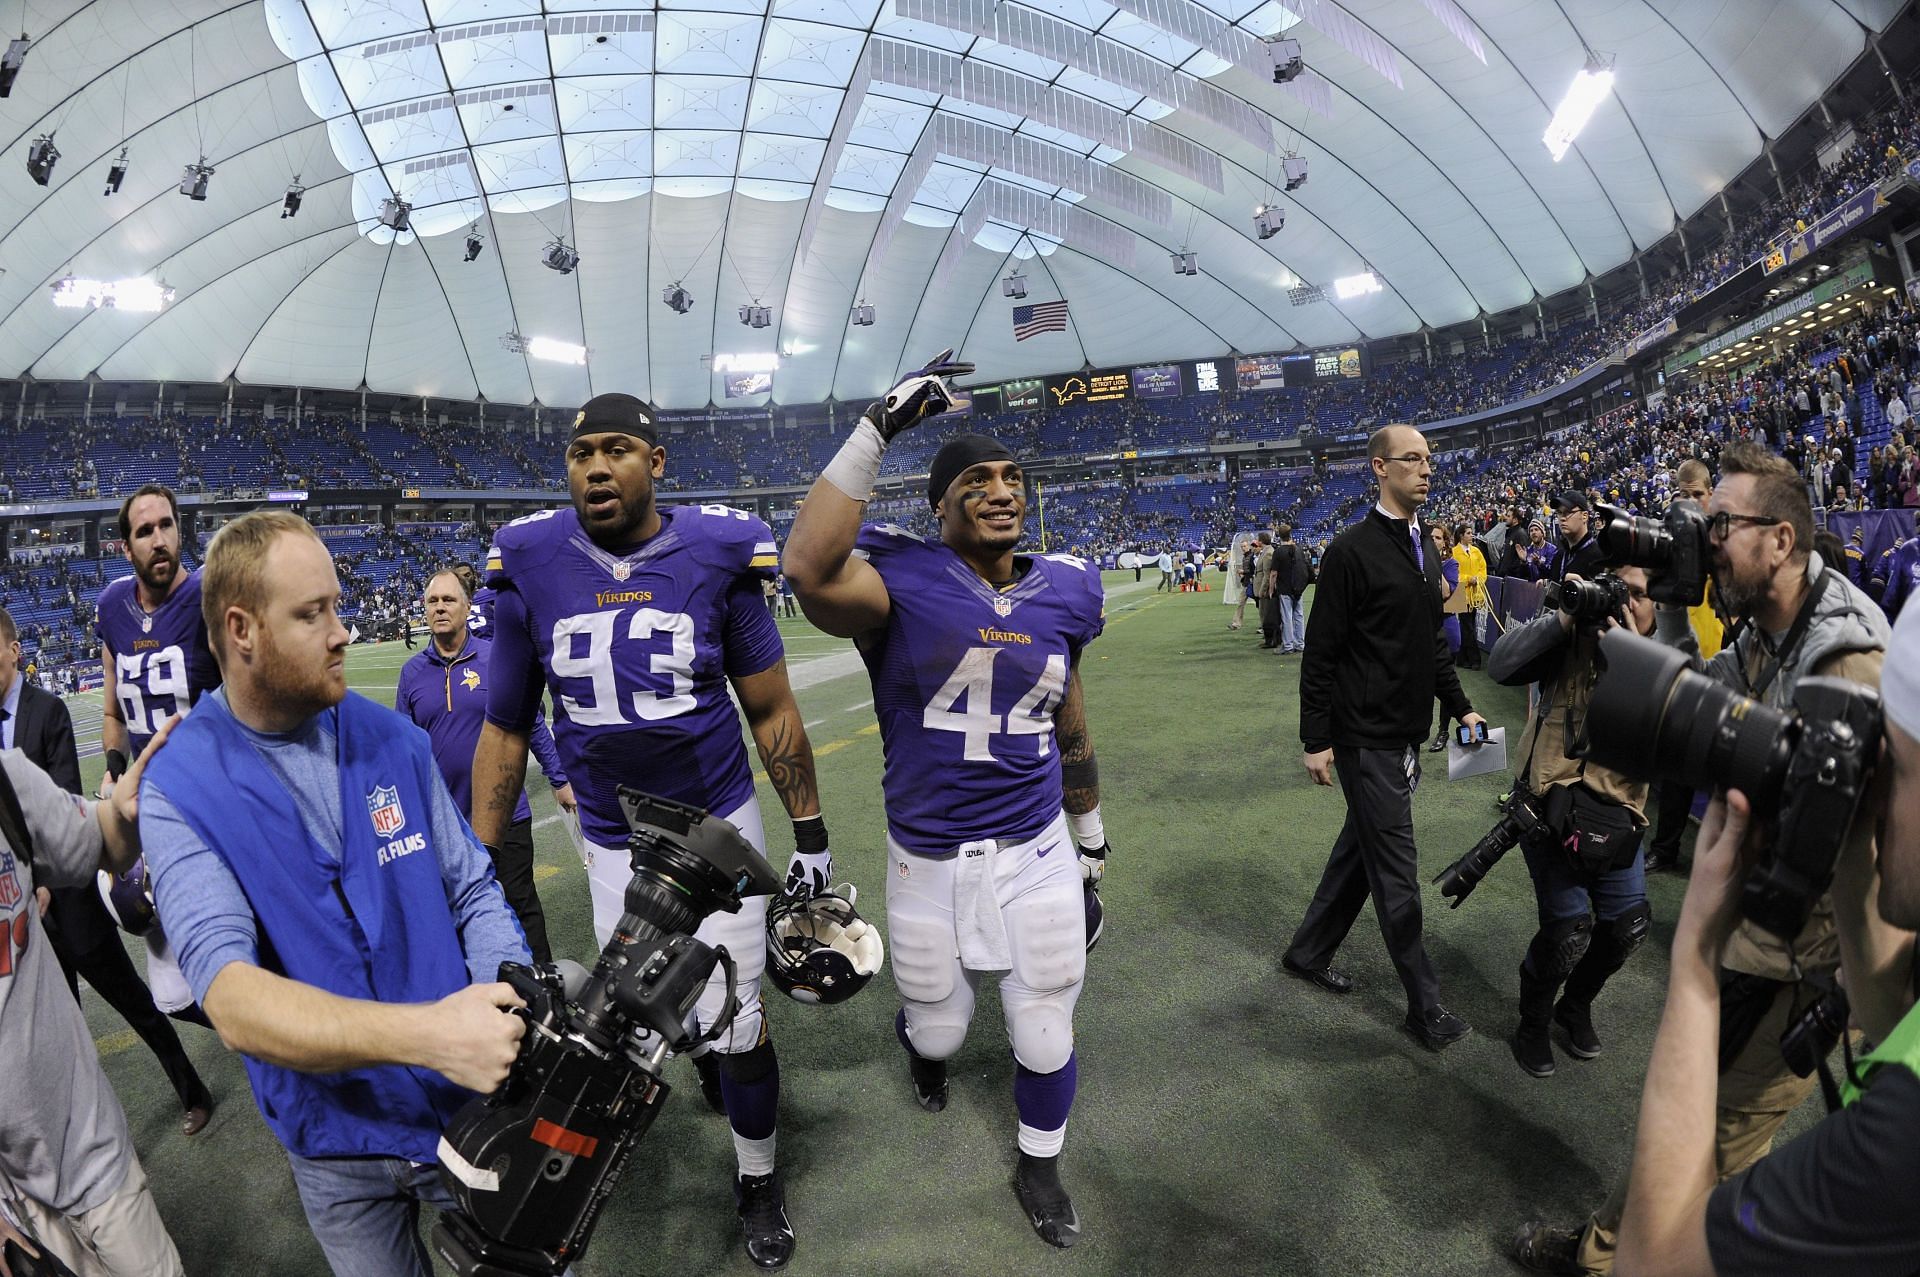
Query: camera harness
{"type": "Point", "coordinates": [1795, 635]}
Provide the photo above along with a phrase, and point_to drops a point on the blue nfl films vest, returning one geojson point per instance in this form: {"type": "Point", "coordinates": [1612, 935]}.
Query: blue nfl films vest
{"type": "Point", "coordinates": [375, 924]}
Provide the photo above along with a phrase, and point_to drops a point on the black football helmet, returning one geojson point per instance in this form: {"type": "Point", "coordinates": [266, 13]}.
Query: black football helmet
{"type": "Point", "coordinates": [821, 949]}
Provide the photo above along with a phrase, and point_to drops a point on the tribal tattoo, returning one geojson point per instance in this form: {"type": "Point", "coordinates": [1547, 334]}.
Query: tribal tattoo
{"type": "Point", "coordinates": [1076, 746]}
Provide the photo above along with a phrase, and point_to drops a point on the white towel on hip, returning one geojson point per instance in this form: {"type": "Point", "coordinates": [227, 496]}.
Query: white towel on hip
{"type": "Point", "coordinates": [981, 930]}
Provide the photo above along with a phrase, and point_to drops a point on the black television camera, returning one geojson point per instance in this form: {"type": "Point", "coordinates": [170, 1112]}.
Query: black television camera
{"type": "Point", "coordinates": [1675, 549]}
{"type": "Point", "coordinates": [1520, 815]}
{"type": "Point", "coordinates": [532, 1164]}
{"type": "Point", "coordinates": [1590, 603]}
{"type": "Point", "coordinates": [1807, 768]}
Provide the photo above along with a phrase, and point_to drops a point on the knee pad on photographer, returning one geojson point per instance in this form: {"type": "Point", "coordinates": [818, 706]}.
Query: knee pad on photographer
{"type": "Point", "coordinates": [1558, 947]}
{"type": "Point", "coordinates": [748, 1067]}
{"type": "Point", "coordinates": [1615, 939]}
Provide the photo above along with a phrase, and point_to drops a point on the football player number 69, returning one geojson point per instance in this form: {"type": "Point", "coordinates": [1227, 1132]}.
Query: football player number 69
{"type": "Point", "coordinates": [977, 723]}
{"type": "Point", "coordinates": [596, 665]}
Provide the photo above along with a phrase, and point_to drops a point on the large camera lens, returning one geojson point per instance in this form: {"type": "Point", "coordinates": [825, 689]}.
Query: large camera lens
{"type": "Point", "coordinates": [1655, 719]}
{"type": "Point", "coordinates": [1631, 540]}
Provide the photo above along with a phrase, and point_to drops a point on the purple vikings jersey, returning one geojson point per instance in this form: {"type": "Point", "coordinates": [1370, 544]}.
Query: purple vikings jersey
{"type": "Point", "coordinates": [637, 650]}
{"type": "Point", "coordinates": [965, 683]}
{"type": "Point", "coordinates": [161, 663]}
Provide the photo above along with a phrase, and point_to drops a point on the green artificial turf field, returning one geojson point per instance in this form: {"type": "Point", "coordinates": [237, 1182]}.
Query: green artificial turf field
{"type": "Point", "coordinates": [1229, 1120]}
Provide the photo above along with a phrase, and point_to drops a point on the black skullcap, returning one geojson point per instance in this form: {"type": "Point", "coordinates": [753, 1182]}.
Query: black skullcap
{"type": "Point", "coordinates": [956, 455]}
{"type": "Point", "coordinates": [624, 414]}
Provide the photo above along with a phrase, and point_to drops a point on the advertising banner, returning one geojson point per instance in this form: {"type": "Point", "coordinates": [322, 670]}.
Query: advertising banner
{"type": "Point", "coordinates": [741, 385]}
{"type": "Point", "coordinates": [1159, 381]}
{"type": "Point", "coordinates": [1021, 396]}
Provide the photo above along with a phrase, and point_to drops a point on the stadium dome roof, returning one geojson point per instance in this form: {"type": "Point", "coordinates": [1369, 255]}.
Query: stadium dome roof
{"type": "Point", "coordinates": [810, 154]}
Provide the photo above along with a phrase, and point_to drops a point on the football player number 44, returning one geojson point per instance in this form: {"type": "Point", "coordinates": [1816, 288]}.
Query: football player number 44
{"type": "Point", "coordinates": [165, 676]}
{"type": "Point", "coordinates": [972, 683]}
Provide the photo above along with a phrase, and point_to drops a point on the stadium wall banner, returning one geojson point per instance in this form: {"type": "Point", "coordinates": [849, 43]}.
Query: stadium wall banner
{"type": "Point", "coordinates": [1157, 381]}
{"type": "Point", "coordinates": [1022, 396]}
{"type": "Point", "coordinates": [1653, 336]}
{"type": "Point", "coordinates": [1206, 376]}
{"type": "Point", "coordinates": [1826, 290]}
{"type": "Point", "coordinates": [1830, 227]}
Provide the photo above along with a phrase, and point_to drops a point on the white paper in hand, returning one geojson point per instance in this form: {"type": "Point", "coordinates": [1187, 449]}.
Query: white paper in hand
{"type": "Point", "coordinates": [1478, 760]}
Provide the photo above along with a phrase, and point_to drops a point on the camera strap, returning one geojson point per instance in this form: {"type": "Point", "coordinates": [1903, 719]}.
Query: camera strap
{"type": "Point", "coordinates": [1795, 633]}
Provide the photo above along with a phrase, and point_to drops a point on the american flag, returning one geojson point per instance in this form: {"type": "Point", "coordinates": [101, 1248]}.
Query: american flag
{"type": "Point", "coordinates": [1041, 317]}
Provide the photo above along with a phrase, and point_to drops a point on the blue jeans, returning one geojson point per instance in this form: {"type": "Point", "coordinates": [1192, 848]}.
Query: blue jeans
{"type": "Point", "coordinates": [1293, 624]}
{"type": "Point", "coordinates": [1562, 891]}
{"type": "Point", "coordinates": [365, 1211]}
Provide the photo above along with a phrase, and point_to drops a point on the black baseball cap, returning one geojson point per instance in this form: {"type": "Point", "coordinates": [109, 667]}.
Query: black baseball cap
{"type": "Point", "coordinates": [617, 413]}
{"type": "Point", "coordinates": [1570, 501]}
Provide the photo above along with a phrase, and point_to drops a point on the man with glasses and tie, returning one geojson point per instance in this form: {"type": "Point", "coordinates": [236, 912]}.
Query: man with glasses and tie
{"type": "Point", "coordinates": [1375, 660]}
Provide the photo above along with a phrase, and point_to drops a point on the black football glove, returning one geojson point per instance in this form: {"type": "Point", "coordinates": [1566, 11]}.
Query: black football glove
{"type": "Point", "coordinates": [920, 394]}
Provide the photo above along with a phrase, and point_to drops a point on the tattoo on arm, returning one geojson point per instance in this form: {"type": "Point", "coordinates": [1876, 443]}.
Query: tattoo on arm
{"type": "Point", "coordinates": [788, 756]}
{"type": "Point", "coordinates": [1076, 746]}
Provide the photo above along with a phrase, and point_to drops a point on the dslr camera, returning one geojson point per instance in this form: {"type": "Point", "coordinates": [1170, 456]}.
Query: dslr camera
{"type": "Point", "coordinates": [1674, 549]}
{"type": "Point", "coordinates": [1520, 815]}
{"type": "Point", "coordinates": [531, 1165]}
{"type": "Point", "coordinates": [1806, 768]}
{"type": "Point", "coordinates": [1590, 603]}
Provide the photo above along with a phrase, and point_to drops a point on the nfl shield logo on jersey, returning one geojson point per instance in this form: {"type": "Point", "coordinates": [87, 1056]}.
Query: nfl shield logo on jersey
{"type": "Point", "coordinates": [384, 805]}
{"type": "Point", "coordinates": [1002, 605]}
{"type": "Point", "coordinates": [622, 570]}
{"type": "Point", "coordinates": [9, 882]}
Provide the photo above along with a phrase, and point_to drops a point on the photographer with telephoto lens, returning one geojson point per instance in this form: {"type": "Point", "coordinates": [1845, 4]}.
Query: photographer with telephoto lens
{"type": "Point", "coordinates": [1838, 1199]}
{"type": "Point", "coordinates": [1792, 616]}
{"type": "Point", "coordinates": [1584, 855]}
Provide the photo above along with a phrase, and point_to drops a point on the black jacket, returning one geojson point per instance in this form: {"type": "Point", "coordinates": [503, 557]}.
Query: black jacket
{"type": "Point", "coordinates": [45, 735]}
{"type": "Point", "coordinates": [77, 921]}
{"type": "Point", "coordinates": [1375, 655]}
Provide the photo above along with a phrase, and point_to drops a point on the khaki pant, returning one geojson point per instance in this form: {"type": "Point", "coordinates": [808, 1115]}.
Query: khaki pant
{"type": "Point", "coordinates": [1757, 1093]}
{"type": "Point", "coordinates": [121, 1237]}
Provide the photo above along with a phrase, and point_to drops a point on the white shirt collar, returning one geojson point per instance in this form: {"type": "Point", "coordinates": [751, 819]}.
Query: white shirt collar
{"type": "Point", "coordinates": [1413, 523]}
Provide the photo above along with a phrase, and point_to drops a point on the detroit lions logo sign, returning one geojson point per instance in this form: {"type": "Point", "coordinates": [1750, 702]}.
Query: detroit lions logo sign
{"type": "Point", "coordinates": [383, 804]}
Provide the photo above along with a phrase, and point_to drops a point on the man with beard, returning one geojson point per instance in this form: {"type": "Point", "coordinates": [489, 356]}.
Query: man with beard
{"type": "Point", "coordinates": [974, 652]}
{"type": "Point", "coordinates": [1794, 616]}
{"type": "Point", "coordinates": [154, 657]}
{"type": "Point", "coordinates": [639, 619]}
{"type": "Point", "coordinates": [334, 915]}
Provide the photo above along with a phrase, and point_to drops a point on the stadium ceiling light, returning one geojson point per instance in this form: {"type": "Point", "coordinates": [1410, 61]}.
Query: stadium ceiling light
{"type": "Point", "coordinates": [677, 298]}
{"type": "Point", "coordinates": [42, 155]}
{"type": "Point", "coordinates": [11, 62]}
{"type": "Point", "coordinates": [549, 348]}
{"type": "Point", "coordinates": [474, 243]}
{"type": "Point", "coordinates": [1014, 285]}
{"type": "Point", "coordinates": [863, 314]}
{"type": "Point", "coordinates": [1268, 220]}
{"type": "Point", "coordinates": [142, 296]}
{"type": "Point", "coordinates": [1283, 57]}
{"type": "Point", "coordinates": [1185, 263]}
{"type": "Point", "coordinates": [1294, 169]}
{"type": "Point", "coordinates": [1347, 287]}
{"type": "Point", "coordinates": [116, 173]}
{"type": "Point", "coordinates": [765, 361]}
{"type": "Point", "coordinates": [290, 205]}
{"type": "Point", "coordinates": [1588, 90]}
{"type": "Point", "coordinates": [194, 178]}
{"type": "Point", "coordinates": [396, 214]}
{"type": "Point", "coordinates": [756, 315]}
{"type": "Point", "coordinates": [558, 256]}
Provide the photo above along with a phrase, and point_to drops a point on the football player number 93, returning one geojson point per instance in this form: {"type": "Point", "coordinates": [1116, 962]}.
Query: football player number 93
{"type": "Point", "coordinates": [166, 677]}
{"type": "Point", "coordinates": [972, 679]}
{"type": "Point", "coordinates": [596, 665]}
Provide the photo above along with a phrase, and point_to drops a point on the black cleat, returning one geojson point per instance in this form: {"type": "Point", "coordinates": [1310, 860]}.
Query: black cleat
{"type": "Point", "coordinates": [1543, 1248]}
{"type": "Point", "coordinates": [1036, 1182]}
{"type": "Point", "coordinates": [762, 1208]}
{"type": "Point", "coordinates": [929, 1082]}
{"type": "Point", "coordinates": [707, 1065]}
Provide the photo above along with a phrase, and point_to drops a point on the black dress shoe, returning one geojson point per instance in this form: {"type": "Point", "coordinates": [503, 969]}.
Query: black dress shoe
{"type": "Point", "coordinates": [1329, 978]}
{"type": "Point", "coordinates": [1438, 1029]}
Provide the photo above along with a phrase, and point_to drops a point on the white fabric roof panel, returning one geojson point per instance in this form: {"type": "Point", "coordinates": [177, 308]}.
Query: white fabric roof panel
{"type": "Point", "coordinates": [741, 147]}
